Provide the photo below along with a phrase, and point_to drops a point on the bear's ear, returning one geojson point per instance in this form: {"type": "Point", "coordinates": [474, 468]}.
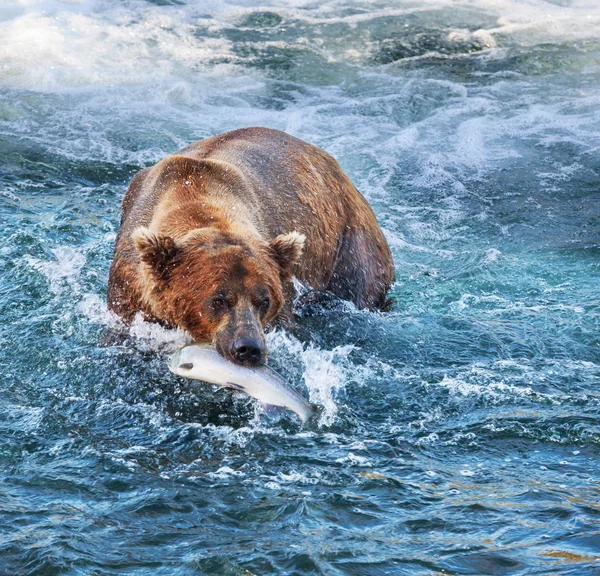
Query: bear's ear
{"type": "Point", "coordinates": [286, 250]}
{"type": "Point", "coordinates": [158, 252]}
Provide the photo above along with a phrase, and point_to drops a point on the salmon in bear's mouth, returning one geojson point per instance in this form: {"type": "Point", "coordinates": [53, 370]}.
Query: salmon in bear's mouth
{"type": "Point", "coordinates": [202, 362]}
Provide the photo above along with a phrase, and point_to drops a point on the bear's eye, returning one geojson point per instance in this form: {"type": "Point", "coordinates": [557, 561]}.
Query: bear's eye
{"type": "Point", "coordinates": [219, 304]}
{"type": "Point", "coordinates": [264, 303]}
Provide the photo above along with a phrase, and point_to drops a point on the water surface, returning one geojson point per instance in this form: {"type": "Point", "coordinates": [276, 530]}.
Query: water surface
{"type": "Point", "coordinates": [461, 432]}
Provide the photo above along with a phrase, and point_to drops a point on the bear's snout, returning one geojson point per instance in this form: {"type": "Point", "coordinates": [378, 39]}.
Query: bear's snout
{"type": "Point", "coordinates": [248, 351]}
{"type": "Point", "coordinates": [241, 340]}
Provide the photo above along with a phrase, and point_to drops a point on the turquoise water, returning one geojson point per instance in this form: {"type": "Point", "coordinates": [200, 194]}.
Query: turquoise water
{"type": "Point", "coordinates": [460, 432]}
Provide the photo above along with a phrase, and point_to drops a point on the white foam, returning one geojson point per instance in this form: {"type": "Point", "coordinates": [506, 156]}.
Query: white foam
{"type": "Point", "coordinates": [53, 45]}
{"type": "Point", "coordinates": [135, 63]}
{"type": "Point", "coordinates": [469, 300]}
{"type": "Point", "coordinates": [493, 390]}
{"type": "Point", "coordinates": [294, 477]}
{"type": "Point", "coordinates": [63, 271]}
{"type": "Point", "coordinates": [491, 255]}
{"type": "Point", "coordinates": [496, 305]}
{"type": "Point", "coordinates": [323, 371]}
{"type": "Point", "coordinates": [428, 440]}
{"type": "Point", "coordinates": [153, 336]}
{"type": "Point", "coordinates": [354, 460]}
{"type": "Point", "coordinates": [226, 473]}
{"type": "Point", "coordinates": [147, 336]}
{"type": "Point", "coordinates": [95, 309]}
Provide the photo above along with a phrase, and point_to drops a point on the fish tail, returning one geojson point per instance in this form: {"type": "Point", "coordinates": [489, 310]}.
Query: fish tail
{"type": "Point", "coordinates": [314, 412]}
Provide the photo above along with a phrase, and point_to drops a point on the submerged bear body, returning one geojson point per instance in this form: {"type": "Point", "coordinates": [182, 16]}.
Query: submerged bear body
{"type": "Point", "coordinates": [211, 236]}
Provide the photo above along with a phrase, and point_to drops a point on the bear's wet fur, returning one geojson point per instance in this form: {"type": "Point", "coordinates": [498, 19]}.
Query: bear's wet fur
{"type": "Point", "coordinates": [211, 236]}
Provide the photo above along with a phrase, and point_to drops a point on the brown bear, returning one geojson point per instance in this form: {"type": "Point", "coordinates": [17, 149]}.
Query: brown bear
{"type": "Point", "coordinates": [211, 236]}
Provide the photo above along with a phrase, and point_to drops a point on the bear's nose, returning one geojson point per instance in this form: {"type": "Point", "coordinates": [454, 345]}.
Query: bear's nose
{"type": "Point", "coordinates": [247, 351]}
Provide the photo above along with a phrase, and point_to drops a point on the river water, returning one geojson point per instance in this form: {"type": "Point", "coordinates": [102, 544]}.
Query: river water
{"type": "Point", "coordinates": [460, 432]}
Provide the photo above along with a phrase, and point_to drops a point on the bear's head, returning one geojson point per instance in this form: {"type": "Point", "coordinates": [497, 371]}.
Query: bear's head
{"type": "Point", "coordinates": [221, 287]}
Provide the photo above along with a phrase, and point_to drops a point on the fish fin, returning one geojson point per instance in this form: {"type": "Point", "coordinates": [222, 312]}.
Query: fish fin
{"type": "Point", "coordinates": [235, 386]}
{"type": "Point", "coordinates": [186, 366]}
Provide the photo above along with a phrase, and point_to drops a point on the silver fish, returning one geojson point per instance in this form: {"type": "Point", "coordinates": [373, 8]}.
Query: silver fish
{"type": "Point", "coordinates": [203, 362]}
